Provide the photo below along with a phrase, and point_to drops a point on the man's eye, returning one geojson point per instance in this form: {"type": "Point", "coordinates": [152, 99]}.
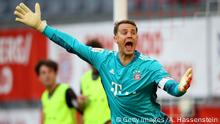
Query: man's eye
{"type": "Point", "coordinates": [123, 32]}
{"type": "Point", "coordinates": [133, 32]}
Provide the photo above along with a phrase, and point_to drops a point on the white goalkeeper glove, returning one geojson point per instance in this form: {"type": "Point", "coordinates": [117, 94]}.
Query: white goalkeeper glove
{"type": "Point", "coordinates": [26, 16]}
{"type": "Point", "coordinates": [185, 81]}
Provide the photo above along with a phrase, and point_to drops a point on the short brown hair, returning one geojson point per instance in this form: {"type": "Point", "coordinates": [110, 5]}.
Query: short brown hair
{"type": "Point", "coordinates": [124, 22]}
{"type": "Point", "coordinates": [49, 63]}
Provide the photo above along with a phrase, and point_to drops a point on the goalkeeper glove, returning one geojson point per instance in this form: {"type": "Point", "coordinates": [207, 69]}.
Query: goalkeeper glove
{"type": "Point", "coordinates": [26, 16]}
{"type": "Point", "coordinates": [185, 81]}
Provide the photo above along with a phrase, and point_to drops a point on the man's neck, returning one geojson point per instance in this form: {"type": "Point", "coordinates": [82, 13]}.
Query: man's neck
{"type": "Point", "coordinates": [125, 59]}
{"type": "Point", "coordinates": [52, 87]}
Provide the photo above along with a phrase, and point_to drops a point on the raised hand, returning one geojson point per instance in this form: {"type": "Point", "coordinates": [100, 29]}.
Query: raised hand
{"type": "Point", "coordinates": [26, 16]}
{"type": "Point", "coordinates": [185, 80]}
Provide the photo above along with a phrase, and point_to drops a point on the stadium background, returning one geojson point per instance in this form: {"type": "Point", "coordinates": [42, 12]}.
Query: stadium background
{"type": "Point", "coordinates": [179, 33]}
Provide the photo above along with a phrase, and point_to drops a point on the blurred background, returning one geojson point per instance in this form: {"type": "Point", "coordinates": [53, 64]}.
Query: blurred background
{"type": "Point", "coordinates": [179, 33]}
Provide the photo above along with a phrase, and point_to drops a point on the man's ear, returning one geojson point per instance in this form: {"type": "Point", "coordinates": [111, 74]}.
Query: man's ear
{"type": "Point", "coordinates": [116, 39]}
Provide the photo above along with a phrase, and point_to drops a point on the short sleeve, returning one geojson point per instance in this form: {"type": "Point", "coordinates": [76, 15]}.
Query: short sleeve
{"type": "Point", "coordinates": [70, 98]}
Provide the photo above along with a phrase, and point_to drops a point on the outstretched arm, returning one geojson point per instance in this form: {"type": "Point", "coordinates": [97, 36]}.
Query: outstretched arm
{"type": "Point", "coordinates": [33, 19]}
{"type": "Point", "coordinates": [164, 82]}
{"type": "Point", "coordinates": [174, 88]}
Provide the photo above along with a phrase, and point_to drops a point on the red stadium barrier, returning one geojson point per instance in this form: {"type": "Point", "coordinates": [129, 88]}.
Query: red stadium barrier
{"type": "Point", "coordinates": [20, 50]}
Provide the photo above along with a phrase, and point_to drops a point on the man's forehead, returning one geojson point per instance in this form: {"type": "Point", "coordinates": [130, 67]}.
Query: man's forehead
{"type": "Point", "coordinates": [44, 67]}
{"type": "Point", "coordinates": [126, 26]}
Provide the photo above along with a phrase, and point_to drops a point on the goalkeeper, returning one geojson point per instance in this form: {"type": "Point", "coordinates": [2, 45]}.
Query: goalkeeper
{"type": "Point", "coordinates": [130, 79]}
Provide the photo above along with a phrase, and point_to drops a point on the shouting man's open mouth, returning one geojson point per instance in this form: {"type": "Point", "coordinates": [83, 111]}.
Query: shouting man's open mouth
{"type": "Point", "coordinates": [129, 45]}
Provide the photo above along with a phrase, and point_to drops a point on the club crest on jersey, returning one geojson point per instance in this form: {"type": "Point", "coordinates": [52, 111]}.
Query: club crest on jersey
{"type": "Point", "coordinates": [137, 75]}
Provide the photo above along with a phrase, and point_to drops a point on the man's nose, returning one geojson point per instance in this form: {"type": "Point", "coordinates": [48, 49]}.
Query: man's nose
{"type": "Point", "coordinates": [129, 34]}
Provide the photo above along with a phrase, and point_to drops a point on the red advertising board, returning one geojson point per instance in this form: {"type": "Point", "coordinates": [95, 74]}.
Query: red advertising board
{"type": "Point", "coordinates": [20, 50]}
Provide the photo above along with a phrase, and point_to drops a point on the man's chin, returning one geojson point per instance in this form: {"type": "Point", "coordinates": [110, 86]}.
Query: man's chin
{"type": "Point", "coordinates": [129, 53]}
{"type": "Point", "coordinates": [47, 84]}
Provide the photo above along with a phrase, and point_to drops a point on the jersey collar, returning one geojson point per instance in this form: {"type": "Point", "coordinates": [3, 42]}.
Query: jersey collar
{"type": "Point", "coordinates": [136, 55]}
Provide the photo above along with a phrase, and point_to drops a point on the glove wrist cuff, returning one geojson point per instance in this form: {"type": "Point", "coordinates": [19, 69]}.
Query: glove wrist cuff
{"type": "Point", "coordinates": [42, 26]}
{"type": "Point", "coordinates": [181, 89]}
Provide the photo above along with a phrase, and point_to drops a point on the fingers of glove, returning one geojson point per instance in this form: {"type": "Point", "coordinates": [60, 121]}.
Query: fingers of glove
{"type": "Point", "coordinates": [189, 76]}
{"type": "Point", "coordinates": [19, 20]}
{"type": "Point", "coordinates": [188, 72]}
{"type": "Point", "coordinates": [19, 9]}
{"type": "Point", "coordinates": [186, 87]}
{"type": "Point", "coordinates": [37, 9]}
{"type": "Point", "coordinates": [188, 83]}
{"type": "Point", "coordinates": [188, 80]}
{"type": "Point", "coordinates": [183, 87]}
{"type": "Point", "coordinates": [183, 82]}
{"type": "Point", "coordinates": [24, 7]}
{"type": "Point", "coordinates": [18, 14]}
